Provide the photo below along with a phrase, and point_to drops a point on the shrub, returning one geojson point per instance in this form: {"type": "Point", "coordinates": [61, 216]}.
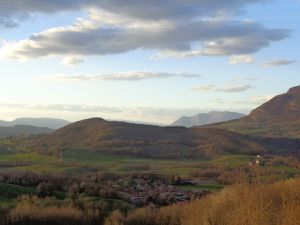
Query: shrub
{"type": "Point", "coordinates": [243, 203]}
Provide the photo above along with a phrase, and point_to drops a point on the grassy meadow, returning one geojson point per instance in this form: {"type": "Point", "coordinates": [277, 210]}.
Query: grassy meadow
{"type": "Point", "coordinates": [79, 161]}
{"type": "Point", "coordinates": [21, 202]}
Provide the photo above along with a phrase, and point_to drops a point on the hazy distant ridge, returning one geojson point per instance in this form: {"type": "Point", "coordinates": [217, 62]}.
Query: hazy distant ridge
{"type": "Point", "coordinates": [23, 130]}
{"type": "Point", "coordinates": [37, 122]}
{"type": "Point", "coordinates": [207, 118]}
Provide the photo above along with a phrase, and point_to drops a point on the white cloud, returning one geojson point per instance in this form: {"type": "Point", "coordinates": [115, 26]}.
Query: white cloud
{"type": "Point", "coordinates": [240, 78]}
{"type": "Point", "coordinates": [124, 76]}
{"type": "Point", "coordinates": [258, 100]}
{"type": "Point", "coordinates": [177, 54]}
{"type": "Point", "coordinates": [249, 101]}
{"type": "Point", "coordinates": [278, 62]}
{"type": "Point", "coordinates": [237, 59]}
{"type": "Point", "coordinates": [229, 88]}
{"type": "Point", "coordinates": [72, 60]}
{"type": "Point", "coordinates": [236, 88]}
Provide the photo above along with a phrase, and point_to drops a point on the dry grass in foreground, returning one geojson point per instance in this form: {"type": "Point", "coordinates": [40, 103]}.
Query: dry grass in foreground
{"type": "Point", "coordinates": [241, 204]}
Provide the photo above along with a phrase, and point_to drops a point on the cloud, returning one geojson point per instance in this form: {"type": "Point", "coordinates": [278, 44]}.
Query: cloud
{"type": "Point", "coordinates": [77, 112]}
{"type": "Point", "coordinates": [151, 10]}
{"type": "Point", "coordinates": [229, 89]}
{"type": "Point", "coordinates": [237, 59]}
{"type": "Point", "coordinates": [218, 38]}
{"type": "Point", "coordinates": [239, 78]}
{"type": "Point", "coordinates": [72, 60]}
{"type": "Point", "coordinates": [171, 27]}
{"type": "Point", "coordinates": [261, 99]}
{"type": "Point", "coordinates": [124, 76]}
{"type": "Point", "coordinates": [278, 62]}
{"type": "Point", "coordinates": [7, 23]}
{"type": "Point", "coordinates": [235, 88]}
{"type": "Point", "coordinates": [252, 100]}
{"type": "Point", "coordinates": [205, 88]}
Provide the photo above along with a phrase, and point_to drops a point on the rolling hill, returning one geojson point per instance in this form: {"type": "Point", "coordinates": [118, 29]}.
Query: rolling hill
{"type": "Point", "coordinates": [279, 117]}
{"type": "Point", "coordinates": [153, 141]}
{"type": "Point", "coordinates": [23, 130]}
{"type": "Point", "coordinates": [207, 118]}
{"type": "Point", "coordinates": [36, 122]}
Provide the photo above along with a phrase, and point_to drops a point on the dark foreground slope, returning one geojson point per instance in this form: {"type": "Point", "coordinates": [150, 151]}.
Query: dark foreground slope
{"type": "Point", "coordinates": [279, 117]}
{"type": "Point", "coordinates": [155, 142]}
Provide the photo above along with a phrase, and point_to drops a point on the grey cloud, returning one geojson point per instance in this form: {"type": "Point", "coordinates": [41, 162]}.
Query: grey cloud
{"type": "Point", "coordinates": [168, 26]}
{"type": "Point", "coordinates": [146, 10]}
{"type": "Point", "coordinates": [125, 76]}
{"type": "Point", "coordinates": [278, 62]}
{"type": "Point", "coordinates": [7, 22]}
{"type": "Point", "coordinates": [249, 39]}
{"type": "Point", "coordinates": [217, 38]}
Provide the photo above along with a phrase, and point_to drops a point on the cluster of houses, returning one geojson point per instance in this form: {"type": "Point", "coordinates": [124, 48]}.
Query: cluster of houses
{"type": "Point", "coordinates": [259, 161]}
{"type": "Point", "coordinates": [152, 192]}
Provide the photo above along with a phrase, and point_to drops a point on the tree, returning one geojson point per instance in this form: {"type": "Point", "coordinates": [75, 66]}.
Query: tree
{"type": "Point", "coordinates": [44, 189]}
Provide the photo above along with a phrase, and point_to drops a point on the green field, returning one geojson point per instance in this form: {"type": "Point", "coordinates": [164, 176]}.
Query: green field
{"type": "Point", "coordinates": [79, 161]}
{"type": "Point", "coordinates": [232, 160]}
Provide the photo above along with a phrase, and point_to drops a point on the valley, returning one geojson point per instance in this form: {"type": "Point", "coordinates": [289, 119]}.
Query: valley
{"type": "Point", "coordinates": [154, 112]}
{"type": "Point", "coordinates": [119, 167]}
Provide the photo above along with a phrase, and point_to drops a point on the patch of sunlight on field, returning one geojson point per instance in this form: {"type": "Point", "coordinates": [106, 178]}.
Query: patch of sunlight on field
{"type": "Point", "coordinates": [232, 160]}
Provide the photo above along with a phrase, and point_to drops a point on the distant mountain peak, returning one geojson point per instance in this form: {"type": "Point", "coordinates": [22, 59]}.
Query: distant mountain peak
{"type": "Point", "coordinates": [207, 118]}
{"type": "Point", "coordinates": [23, 130]}
{"type": "Point", "coordinates": [294, 90]}
{"type": "Point", "coordinates": [282, 108]}
{"type": "Point", "coordinates": [279, 117]}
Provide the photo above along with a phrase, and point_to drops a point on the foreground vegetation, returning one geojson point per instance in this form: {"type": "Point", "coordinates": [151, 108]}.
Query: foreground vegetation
{"type": "Point", "coordinates": [243, 203]}
{"type": "Point", "coordinates": [247, 202]}
{"type": "Point", "coordinates": [89, 188]}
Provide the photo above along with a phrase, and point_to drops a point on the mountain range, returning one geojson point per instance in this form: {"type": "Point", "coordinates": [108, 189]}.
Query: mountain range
{"type": "Point", "coordinates": [279, 117]}
{"type": "Point", "coordinates": [123, 138]}
{"type": "Point", "coordinates": [36, 122]}
{"type": "Point", "coordinates": [207, 118]}
{"type": "Point", "coordinates": [272, 128]}
{"type": "Point", "coordinates": [23, 130]}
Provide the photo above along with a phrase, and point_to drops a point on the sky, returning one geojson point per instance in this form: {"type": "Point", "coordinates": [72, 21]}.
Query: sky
{"type": "Point", "coordinates": [150, 61]}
